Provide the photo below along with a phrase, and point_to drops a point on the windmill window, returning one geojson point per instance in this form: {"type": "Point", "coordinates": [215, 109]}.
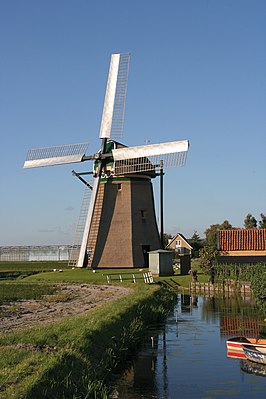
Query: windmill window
{"type": "Point", "coordinates": [143, 216]}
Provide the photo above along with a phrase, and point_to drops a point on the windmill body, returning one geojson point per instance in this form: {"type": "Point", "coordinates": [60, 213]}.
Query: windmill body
{"type": "Point", "coordinates": [120, 226]}
{"type": "Point", "coordinates": [123, 227]}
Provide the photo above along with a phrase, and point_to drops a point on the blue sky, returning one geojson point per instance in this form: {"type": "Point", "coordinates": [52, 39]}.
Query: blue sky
{"type": "Point", "coordinates": [198, 72]}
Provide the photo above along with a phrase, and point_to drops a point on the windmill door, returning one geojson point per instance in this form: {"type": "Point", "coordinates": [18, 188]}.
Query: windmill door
{"type": "Point", "coordinates": [145, 250]}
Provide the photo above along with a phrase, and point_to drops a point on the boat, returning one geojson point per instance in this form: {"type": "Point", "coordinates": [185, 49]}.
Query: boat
{"type": "Point", "coordinates": [255, 354]}
{"type": "Point", "coordinates": [234, 346]}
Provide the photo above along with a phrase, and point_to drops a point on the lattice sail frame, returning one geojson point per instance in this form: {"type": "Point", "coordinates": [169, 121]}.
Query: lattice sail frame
{"type": "Point", "coordinates": [150, 157]}
{"type": "Point", "coordinates": [55, 155]}
{"type": "Point", "coordinates": [112, 123]}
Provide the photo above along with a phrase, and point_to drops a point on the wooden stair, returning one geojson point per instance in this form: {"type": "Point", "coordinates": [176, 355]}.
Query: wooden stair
{"type": "Point", "coordinates": [74, 252]}
{"type": "Point", "coordinates": [93, 235]}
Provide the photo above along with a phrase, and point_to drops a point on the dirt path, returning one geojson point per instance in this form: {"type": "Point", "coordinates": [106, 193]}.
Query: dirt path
{"type": "Point", "coordinates": [69, 300]}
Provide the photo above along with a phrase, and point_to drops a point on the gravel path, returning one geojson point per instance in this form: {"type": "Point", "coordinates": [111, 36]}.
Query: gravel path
{"type": "Point", "coordinates": [70, 300]}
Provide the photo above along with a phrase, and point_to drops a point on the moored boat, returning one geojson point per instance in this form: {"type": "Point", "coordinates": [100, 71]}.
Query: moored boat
{"type": "Point", "coordinates": [234, 346]}
{"type": "Point", "coordinates": [255, 354]}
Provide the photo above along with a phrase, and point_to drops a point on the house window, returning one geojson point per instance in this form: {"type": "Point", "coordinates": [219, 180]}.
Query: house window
{"type": "Point", "coordinates": [178, 243]}
{"type": "Point", "coordinates": [119, 186]}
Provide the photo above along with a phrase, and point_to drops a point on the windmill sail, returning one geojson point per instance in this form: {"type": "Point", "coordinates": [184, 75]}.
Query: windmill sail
{"type": "Point", "coordinates": [115, 98]}
{"type": "Point", "coordinates": [150, 157]}
{"type": "Point", "coordinates": [55, 155]}
{"type": "Point", "coordinates": [111, 124]}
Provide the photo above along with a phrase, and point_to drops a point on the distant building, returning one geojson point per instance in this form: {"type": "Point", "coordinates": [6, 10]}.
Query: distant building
{"type": "Point", "coordinates": [182, 248]}
{"type": "Point", "coordinates": [242, 246]}
{"type": "Point", "coordinates": [35, 253]}
{"type": "Point", "coordinates": [180, 245]}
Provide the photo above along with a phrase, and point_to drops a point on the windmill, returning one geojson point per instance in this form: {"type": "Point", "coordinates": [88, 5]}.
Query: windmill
{"type": "Point", "coordinates": [120, 224]}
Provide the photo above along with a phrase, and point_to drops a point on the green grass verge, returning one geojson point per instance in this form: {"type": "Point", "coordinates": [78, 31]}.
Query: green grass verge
{"type": "Point", "coordinates": [14, 270]}
{"type": "Point", "coordinates": [16, 291]}
{"type": "Point", "coordinates": [85, 276]}
{"type": "Point", "coordinates": [99, 277]}
{"type": "Point", "coordinates": [32, 266]}
{"type": "Point", "coordinates": [42, 272]}
{"type": "Point", "coordinates": [178, 282]}
{"type": "Point", "coordinates": [20, 370]}
{"type": "Point", "coordinates": [74, 357]}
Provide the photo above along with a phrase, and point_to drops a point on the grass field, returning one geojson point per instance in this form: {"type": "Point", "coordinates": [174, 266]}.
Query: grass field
{"type": "Point", "coordinates": [59, 360]}
{"type": "Point", "coordinates": [15, 270]}
{"type": "Point", "coordinates": [14, 291]}
{"type": "Point", "coordinates": [31, 266]}
{"type": "Point", "coordinates": [31, 280]}
{"type": "Point", "coordinates": [100, 277]}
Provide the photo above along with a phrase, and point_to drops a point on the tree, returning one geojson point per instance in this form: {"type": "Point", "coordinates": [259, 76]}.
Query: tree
{"type": "Point", "coordinates": [250, 222]}
{"type": "Point", "coordinates": [166, 238]}
{"type": "Point", "coordinates": [212, 232]}
{"type": "Point", "coordinates": [209, 252]}
{"type": "Point", "coordinates": [262, 222]}
{"type": "Point", "coordinates": [195, 237]}
{"type": "Point", "coordinates": [207, 257]}
{"type": "Point", "coordinates": [197, 243]}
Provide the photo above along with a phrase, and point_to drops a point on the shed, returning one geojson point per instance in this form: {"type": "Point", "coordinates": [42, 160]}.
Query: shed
{"type": "Point", "coordinates": [161, 262]}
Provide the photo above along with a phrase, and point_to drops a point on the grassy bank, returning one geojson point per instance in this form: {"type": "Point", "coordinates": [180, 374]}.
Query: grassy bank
{"type": "Point", "coordinates": [42, 272]}
{"type": "Point", "coordinates": [15, 270]}
{"type": "Point", "coordinates": [99, 277]}
{"type": "Point", "coordinates": [75, 357]}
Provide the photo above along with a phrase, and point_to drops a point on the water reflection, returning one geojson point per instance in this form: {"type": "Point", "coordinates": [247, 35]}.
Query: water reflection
{"type": "Point", "coordinates": [186, 357]}
{"type": "Point", "coordinates": [140, 378]}
{"type": "Point", "coordinates": [237, 315]}
{"type": "Point", "coordinates": [253, 368]}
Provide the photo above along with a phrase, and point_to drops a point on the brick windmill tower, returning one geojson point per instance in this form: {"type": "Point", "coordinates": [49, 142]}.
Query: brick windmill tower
{"type": "Point", "coordinates": [118, 225]}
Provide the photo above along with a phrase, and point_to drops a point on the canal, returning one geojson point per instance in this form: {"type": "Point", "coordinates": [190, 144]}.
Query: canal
{"type": "Point", "coordinates": [186, 357]}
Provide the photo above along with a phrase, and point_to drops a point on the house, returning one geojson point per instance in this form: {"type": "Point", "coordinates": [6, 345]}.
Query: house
{"type": "Point", "coordinates": [242, 246]}
{"type": "Point", "coordinates": [180, 245]}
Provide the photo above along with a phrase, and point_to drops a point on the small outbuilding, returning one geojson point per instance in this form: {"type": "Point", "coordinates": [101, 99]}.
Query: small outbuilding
{"type": "Point", "coordinates": [161, 263]}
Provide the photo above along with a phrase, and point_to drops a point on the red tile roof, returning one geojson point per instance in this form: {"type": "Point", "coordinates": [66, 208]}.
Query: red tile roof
{"type": "Point", "coordinates": [242, 240]}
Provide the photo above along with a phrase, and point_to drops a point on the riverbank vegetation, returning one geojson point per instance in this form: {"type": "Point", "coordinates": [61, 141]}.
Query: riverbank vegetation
{"type": "Point", "coordinates": [77, 356]}
{"type": "Point", "coordinates": [255, 274]}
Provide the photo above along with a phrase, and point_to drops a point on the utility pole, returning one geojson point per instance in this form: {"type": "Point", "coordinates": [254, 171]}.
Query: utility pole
{"type": "Point", "coordinates": [161, 204]}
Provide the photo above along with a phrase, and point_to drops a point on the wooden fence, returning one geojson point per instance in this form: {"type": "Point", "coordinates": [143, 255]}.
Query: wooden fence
{"type": "Point", "coordinates": [220, 287]}
{"type": "Point", "coordinates": [146, 277]}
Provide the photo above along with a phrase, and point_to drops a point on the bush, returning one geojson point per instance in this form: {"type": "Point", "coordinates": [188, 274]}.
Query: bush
{"type": "Point", "coordinates": [207, 258]}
